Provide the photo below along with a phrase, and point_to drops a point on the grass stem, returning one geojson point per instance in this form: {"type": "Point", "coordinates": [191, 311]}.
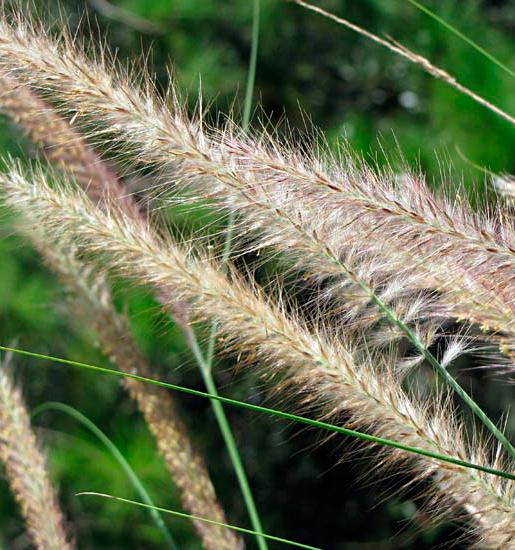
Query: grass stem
{"type": "Point", "coordinates": [265, 410]}
{"type": "Point", "coordinates": [197, 518]}
{"type": "Point", "coordinates": [207, 367]}
{"type": "Point", "coordinates": [463, 37]}
{"type": "Point", "coordinates": [118, 456]}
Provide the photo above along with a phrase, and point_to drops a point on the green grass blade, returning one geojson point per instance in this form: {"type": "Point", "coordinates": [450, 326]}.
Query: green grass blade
{"type": "Point", "coordinates": [205, 363]}
{"type": "Point", "coordinates": [463, 37]}
{"type": "Point", "coordinates": [230, 442]}
{"type": "Point", "coordinates": [205, 520]}
{"type": "Point", "coordinates": [265, 410]}
{"type": "Point", "coordinates": [118, 456]}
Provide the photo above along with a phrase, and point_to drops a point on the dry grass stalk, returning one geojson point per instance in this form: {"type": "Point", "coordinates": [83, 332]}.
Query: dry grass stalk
{"type": "Point", "coordinates": [419, 60]}
{"type": "Point", "coordinates": [67, 149]}
{"type": "Point", "coordinates": [324, 372]}
{"type": "Point", "coordinates": [90, 300]}
{"type": "Point", "coordinates": [412, 237]}
{"type": "Point", "coordinates": [26, 470]}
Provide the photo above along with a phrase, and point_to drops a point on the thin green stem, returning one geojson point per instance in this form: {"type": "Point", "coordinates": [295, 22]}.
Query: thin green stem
{"type": "Point", "coordinates": [463, 37]}
{"type": "Point", "coordinates": [247, 109]}
{"type": "Point", "coordinates": [265, 410]}
{"type": "Point", "coordinates": [444, 373]}
{"type": "Point", "coordinates": [197, 518]}
{"type": "Point", "coordinates": [207, 367]}
{"type": "Point", "coordinates": [419, 345]}
{"type": "Point", "coordinates": [118, 456]}
{"type": "Point", "coordinates": [251, 74]}
{"type": "Point", "coordinates": [228, 437]}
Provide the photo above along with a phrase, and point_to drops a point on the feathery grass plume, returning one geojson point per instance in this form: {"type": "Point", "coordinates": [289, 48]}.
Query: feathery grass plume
{"type": "Point", "coordinates": [323, 372]}
{"type": "Point", "coordinates": [61, 144]}
{"type": "Point", "coordinates": [197, 152]}
{"type": "Point", "coordinates": [90, 300]}
{"type": "Point", "coordinates": [26, 469]}
{"type": "Point", "coordinates": [426, 242]}
{"type": "Point", "coordinates": [67, 149]}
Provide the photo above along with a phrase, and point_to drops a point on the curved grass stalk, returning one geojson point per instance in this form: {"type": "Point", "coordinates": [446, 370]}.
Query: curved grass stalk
{"type": "Point", "coordinates": [247, 109]}
{"type": "Point", "coordinates": [419, 60]}
{"type": "Point", "coordinates": [229, 440]}
{"type": "Point", "coordinates": [251, 73]}
{"type": "Point", "coordinates": [265, 410]}
{"type": "Point", "coordinates": [196, 518]}
{"type": "Point", "coordinates": [463, 37]}
{"type": "Point", "coordinates": [118, 456]}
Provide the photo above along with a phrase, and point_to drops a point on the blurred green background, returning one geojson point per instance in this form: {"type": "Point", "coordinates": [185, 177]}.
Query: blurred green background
{"type": "Point", "coordinates": [309, 69]}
